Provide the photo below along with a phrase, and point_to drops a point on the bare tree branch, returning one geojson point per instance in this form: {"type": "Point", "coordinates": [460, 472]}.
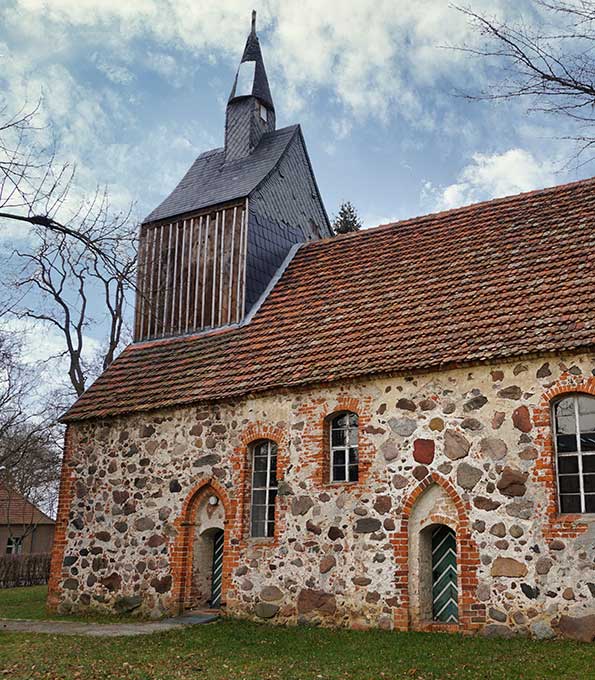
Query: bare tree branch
{"type": "Point", "coordinates": [554, 71]}
{"type": "Point", "coordinates": [63, 275]}
{"type": "Point", "coordinates": [29, 441]}
{"type": "Point", "coordinates": [37, 190]}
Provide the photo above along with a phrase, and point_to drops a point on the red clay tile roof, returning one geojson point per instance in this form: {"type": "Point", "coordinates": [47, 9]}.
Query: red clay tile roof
{"type": "Point", "coordinates": [16, 510]}
{"type": "Point", "coordinates": [504, 278]}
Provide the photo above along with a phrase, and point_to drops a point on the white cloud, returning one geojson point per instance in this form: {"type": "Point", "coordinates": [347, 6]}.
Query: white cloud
{"type": "Point", "coordinates": [89, 119]}
{"type": "Point", "coordinates": [43, 342]}
{"type": "Point", "coordinates": [341, 127]}
{"type": "Point", "coordinates": [167, 67]}
{"type": "Point", "coordinates": [373, 55]}
{"type": "Point", "coordinates": [117, 73]}
{"type": "Point", "coordinates": [369, 58]}
{"type": "Point", "coordinates": [490, 176]}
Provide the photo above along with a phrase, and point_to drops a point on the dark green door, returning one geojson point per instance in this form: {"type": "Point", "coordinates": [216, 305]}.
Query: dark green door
{"type": "Point", "coordinates": [445, 605]}
{"type": "Point", "coordinates": [217, 569]}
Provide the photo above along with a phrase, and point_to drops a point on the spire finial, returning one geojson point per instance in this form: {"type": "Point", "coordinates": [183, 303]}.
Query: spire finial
{"type": "Point", "coordinates": [253, 31]}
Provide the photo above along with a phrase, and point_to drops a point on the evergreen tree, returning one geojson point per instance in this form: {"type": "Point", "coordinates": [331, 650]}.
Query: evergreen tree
{"type": "Point", "coordinates": [347, 219]}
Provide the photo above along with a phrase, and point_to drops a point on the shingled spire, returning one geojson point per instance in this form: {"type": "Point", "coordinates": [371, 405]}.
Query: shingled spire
{"type": "Point", "coordinates": [250, 110]}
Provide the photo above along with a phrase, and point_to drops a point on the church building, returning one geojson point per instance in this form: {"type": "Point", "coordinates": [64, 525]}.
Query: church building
{"type": "Point", "coordinates": [392, 428]}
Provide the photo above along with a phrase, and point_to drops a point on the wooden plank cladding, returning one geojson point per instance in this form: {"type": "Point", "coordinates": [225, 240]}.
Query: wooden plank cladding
{"type": "Point", "coordinates": [192, 273]}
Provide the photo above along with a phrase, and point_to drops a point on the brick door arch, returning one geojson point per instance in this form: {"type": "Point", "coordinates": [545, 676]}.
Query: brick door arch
{"type": "Point", "coordinates": [471, 611]}
{"type": "Point", "coordinates": [181, 552]}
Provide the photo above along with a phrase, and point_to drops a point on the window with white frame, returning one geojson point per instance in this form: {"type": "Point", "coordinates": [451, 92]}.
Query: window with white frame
{"type": "Point", "coordinates": [14, 545]}
{"type": "Point", "coordinates": [344, 463]}
{"type": "Point", "coordinates": [264, 489]}
{"type": "Point", "coordinates": [574, 432]}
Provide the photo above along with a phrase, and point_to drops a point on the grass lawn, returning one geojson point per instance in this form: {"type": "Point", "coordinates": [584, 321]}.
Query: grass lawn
{"type": "Point", "coordinates": [29, 603]}
{"type": "Point", "coordinates": [237, 650]}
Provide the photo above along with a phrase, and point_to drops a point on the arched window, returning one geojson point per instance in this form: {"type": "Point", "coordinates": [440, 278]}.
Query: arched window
{"type": "Point", "coordinates": [264, 489]}
{"type": "Point", "coordinates": [343, 434]}
{"type": "Point", "coordinates": [574, 430]}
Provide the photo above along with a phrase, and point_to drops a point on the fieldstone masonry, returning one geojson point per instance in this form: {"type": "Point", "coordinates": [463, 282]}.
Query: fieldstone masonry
{"type": "Point", "coordinates": [470, 448]}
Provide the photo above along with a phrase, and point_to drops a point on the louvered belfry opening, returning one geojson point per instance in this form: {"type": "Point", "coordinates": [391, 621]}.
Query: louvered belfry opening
{"type": "Point", "coordinates": [192, 273]}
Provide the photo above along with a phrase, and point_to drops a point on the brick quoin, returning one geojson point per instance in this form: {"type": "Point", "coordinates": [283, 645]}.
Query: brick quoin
{"type": "Point", "coordinates": [64, 504]}
{"type": "Point", "coordinates": [471, 612]}
{"type": "Point", "coordinates": [557, 525]}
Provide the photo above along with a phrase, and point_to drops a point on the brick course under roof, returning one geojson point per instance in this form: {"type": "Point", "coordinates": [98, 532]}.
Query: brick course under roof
{"type": "Point", "coordinates": [499, 279]}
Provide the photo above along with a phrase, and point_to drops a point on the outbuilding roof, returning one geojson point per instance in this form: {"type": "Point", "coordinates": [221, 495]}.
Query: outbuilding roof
{"type": "Point", "coordinates": [495, 280]}
{"type": "Point", "coordinates": [16, 510]}
{"type": "Point", "coordinates": [211, 181]}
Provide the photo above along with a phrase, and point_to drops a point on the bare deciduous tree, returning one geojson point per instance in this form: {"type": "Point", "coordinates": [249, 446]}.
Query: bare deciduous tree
{"type": "Point", "coordinates": [549, 62]}
{"type": "Point", "coordinates": [29, 440]}
{"type": "Point", "coordinates": [64, 274]}
{"type": "Point", "coordinates": [15, 387]}
{"type": "Point", "coordinates": [74, 271]}
{"type": "Point", "coordinates": [79, 252]}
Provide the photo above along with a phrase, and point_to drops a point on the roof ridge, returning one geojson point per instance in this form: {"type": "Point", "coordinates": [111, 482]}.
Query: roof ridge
{"type": "Point", "coordinates": [283, 129]}
{"type": "Point", "coordinates": [511, 198]}
{"type": "Point", "coordinates": [220, 149]}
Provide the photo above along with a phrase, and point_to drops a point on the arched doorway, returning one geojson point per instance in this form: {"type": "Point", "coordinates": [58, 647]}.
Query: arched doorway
{"type": "Point", "coordinates": [208, 546]}
{"type": "Point", "coordinates": [432, 562]}
{"type": "Point", "coordinates": [445, 591]}
{"type": "Point", "coordinates": [207, 568]}
{"type": "Point", "coordinates": [433, 502]}
{"type": "Point", "coordinates": [202, 549]}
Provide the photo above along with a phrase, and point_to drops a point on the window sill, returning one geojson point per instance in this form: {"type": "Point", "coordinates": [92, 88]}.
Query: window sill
{"type": "Point", "coordinates": [574, 516]}
{"type": "Point", "coordinates": [341, 484]}
{"type": "Point", "coordinates": [260, 540]}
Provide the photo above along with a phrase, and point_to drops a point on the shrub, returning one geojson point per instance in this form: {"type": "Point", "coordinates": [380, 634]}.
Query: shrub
{"type": "Point", "coordinates": [24, 570]}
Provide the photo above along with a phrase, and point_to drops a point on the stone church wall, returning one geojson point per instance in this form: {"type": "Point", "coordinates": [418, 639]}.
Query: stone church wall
{"type": "Point", "coordinates": [470, 448]}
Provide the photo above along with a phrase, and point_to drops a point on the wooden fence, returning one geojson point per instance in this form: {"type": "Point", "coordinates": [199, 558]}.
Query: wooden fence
{"type": "Point", "coordinates": [24, 570]}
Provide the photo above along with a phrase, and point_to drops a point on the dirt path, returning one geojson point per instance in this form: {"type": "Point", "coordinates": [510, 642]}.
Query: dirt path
{"type": "Point", "coordinates": [103, 629]}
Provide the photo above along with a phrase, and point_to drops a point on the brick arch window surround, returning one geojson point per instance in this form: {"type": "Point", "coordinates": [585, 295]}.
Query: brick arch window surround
{"type": "Point", "coordinates": [342, 435]}
{"type": "Point", "coordinates": [573, 418]}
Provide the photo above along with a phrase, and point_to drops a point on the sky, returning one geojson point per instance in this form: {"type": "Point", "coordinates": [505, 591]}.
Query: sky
{"type": "Point", "coordinates": [136, 89]}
